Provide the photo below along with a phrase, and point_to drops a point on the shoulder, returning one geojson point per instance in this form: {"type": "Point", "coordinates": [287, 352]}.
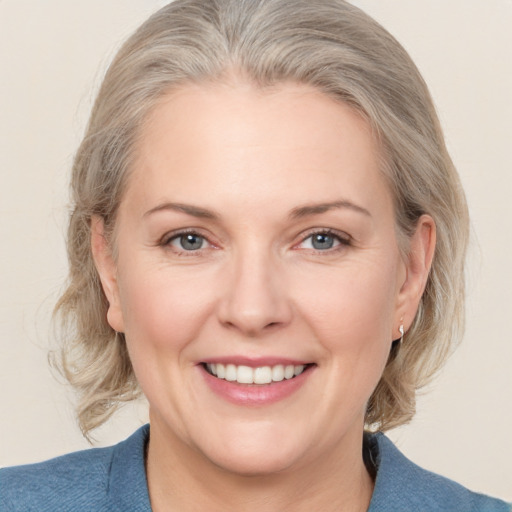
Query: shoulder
{"type": "Point", "coordinates": [404, 486]}
{"type": "Point", "coordinates": [57, 484]}
{"type": "Point", "coordinates": [78, 481]}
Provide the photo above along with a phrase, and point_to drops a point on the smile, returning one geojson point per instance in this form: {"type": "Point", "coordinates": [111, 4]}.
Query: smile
{"type": "Point", "coordinates": [258, 375]}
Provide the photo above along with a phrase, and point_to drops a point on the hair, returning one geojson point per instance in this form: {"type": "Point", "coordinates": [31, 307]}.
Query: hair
{"type": "Point", "coordinates": [327, 44]}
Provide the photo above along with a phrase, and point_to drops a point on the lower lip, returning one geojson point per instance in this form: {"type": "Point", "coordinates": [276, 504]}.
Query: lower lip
{"type": "Point", "coordinates": [255, 394]}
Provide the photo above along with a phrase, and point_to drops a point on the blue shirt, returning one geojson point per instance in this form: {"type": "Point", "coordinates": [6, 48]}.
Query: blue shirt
{"type": "Point", "coordinates": [114, 479]}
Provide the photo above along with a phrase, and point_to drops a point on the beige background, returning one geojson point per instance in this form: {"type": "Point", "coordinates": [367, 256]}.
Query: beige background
{"type": "Point", "coordinates": [52, 55]}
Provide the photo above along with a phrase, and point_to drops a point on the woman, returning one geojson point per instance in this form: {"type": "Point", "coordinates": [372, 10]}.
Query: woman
{"type": "Point", "coordinates": [268, 240]}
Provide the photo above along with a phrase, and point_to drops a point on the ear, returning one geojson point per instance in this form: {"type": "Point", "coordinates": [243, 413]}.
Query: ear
{"type": "Point", "coordinates": [417, 265]}
{"type": "Point", "coordinates": [107, 270]}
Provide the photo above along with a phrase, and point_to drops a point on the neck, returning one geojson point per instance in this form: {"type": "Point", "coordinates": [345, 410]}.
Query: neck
{"type": "Point", "coordinates": [181, 478]}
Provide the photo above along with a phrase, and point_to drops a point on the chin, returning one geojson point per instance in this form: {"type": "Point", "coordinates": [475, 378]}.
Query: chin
{"type": "Point", "coordinates": [253, 448]}
{"type": "Point", "coordinates": [253, 463]}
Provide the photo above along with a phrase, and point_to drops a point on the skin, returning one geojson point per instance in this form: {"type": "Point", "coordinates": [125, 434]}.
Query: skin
{"type": "Point", "coordinates": [257, 287]}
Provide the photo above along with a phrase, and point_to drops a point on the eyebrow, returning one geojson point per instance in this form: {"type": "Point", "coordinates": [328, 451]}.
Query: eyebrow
{"type": "Point", "coordinates": [194, 211]}
{"type": "Point", "coordinates": [316, 209]}
{"type": "Point", "coordinates": [296, 213]}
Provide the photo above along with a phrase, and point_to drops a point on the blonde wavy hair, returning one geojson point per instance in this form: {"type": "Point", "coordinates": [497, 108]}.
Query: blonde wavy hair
{"type": "Point", "coordinates": [328, 44]}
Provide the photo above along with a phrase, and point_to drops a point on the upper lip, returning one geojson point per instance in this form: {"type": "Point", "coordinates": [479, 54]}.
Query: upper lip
{"type": "Point", "coordinates": [255, 362]}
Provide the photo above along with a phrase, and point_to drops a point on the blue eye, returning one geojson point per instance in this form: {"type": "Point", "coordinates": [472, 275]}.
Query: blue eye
{"type": "Point", "coordinates": [188, 242]}
{"type": "Point", "coordinates": [322, 241]}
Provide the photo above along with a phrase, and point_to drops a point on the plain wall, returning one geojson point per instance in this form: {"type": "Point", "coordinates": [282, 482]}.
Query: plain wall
{"type": "Point", "coordinates": [52, 56]}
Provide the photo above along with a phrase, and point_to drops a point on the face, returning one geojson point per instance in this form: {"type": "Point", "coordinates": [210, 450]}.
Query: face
{"type": "Point", "coordinates": [258, 279]}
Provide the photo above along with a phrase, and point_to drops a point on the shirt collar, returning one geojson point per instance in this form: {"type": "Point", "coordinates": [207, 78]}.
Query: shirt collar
{"type": "Point", "coordinates": [400, 484]}
{"type": "Point", "coordinates": [128, 489]}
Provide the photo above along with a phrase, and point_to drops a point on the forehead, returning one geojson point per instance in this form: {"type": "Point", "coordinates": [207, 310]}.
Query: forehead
{"type": "Point", "coordinates": [215, 140]}
{"type": "Point", "coordinates": [292, 108]}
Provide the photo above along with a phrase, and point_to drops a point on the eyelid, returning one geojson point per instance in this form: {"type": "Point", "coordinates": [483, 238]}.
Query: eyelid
{"type": "Point", "coordinates": [165, 240]}
{"type": "Point", "coordinates": [344, 238]}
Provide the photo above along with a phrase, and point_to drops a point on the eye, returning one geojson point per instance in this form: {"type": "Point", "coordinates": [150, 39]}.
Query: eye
{"type": "Point", "coordinates": [323, 241]}
{"type": "Point", "coordinates": [188, 242]}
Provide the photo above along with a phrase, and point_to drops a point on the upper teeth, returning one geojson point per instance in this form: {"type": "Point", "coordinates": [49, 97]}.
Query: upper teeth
{"type": "Point", "coordinates": [258, 375]}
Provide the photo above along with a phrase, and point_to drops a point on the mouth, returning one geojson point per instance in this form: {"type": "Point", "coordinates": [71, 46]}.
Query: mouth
{"type": "Point", "coordinates": [259, 375]}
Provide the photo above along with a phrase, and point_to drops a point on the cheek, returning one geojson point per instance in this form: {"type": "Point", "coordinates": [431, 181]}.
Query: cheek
{"type": "Point", "coordinates": [163, 315]}
{"type": "Point", "coordinates": [351, 304]}
{"type": "Point", "coordinates": [164, 310]}
{"type": "Point", "coordinates": [352, 316]}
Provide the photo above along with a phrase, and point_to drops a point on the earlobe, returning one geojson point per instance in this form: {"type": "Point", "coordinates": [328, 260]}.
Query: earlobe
{"type": "Point", "coordinates": [418, 263]}
{"type": "Point", "coordinates": [107, 271]}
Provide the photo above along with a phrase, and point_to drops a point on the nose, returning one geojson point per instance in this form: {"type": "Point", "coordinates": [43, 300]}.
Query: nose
{"type": "Point", "coordinates": [255, 300]}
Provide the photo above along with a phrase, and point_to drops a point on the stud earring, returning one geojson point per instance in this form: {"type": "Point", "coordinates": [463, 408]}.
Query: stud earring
{"type": "Point", "coordinates": [401, 329]}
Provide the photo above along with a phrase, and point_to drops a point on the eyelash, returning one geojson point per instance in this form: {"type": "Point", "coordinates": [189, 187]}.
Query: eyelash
{"type": "Point", "coordinates": [170, 237]}
{"type": "Point", "coordinates": [343, 240]}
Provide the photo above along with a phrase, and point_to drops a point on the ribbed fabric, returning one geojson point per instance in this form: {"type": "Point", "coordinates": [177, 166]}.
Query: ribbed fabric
{"type": "Point", "coordinates": [114, 479]}
{"type": "Point", "coordinates": [95, 480]}
{"type": "Point", "coordinates": [403, 486]}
